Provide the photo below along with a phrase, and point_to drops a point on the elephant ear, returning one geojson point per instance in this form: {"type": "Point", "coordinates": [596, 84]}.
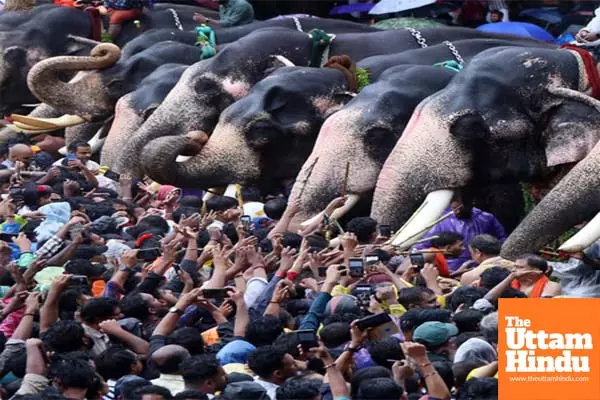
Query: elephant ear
{"type": "Point", "coordinates": [573, 128]}
{"type": "Point", "coordinates": [331, 105]}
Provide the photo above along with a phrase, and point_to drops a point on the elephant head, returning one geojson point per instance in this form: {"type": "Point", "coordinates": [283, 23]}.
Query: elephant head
{"type": "Point", "coordinates": [265, 136]}
{"type": "Point", "coordinates": [361, 135]}
{"type": "Point", "coordinates": [504, 118]}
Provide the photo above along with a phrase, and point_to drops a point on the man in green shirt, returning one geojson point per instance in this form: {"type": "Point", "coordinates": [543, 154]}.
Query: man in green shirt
{"type": "Point", "coordinates": [231, 13]}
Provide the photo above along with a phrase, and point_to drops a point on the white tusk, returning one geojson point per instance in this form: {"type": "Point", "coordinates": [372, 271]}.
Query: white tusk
{"type": "Point", "coordinates": [419, 223]}
{"type": "Point", "coordinates": [48, 123]}
{"type": "Point", "coordinates": [338, 213]}
{"type": "Point", "coordinates": [95, 142]}
{"type": "Point", "coordinates": [209, 195]}
{"type": "Point", "coordinates": [182, 158]}
{"type": "Point", "coordinates": [28, 130]}
{"type": "Point", "coordinates": [31, 105]}
{"type": "Point", "coordinates": [350, 202]}
{"type": "Point", "coordinates": [232, 191]}
{"type": "Point", "coordinates": [63, 151]}
{"type": "Point", "coordinates": [584, 238]}
{"type": "Point", "coordinates": [285, 61]}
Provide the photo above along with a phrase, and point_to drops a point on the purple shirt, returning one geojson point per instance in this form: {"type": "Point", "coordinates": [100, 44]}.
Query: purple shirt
{"type": "Point", "coordinates": [480, 222]}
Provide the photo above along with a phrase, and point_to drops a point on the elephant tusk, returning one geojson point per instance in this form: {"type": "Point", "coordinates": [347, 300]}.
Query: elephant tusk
{"type": "Point", "coordinates": [95, 142]}
{"type": "Point", "coordinates": [285, 61]}
{"type": "Point", "coordinates": [584, 238]}
{"type": "Point", "coordinates": [421, 221]}
{"type": "Point", "coordinates": [49, 123]}
{"type": "Point", "coordinates": [210, 193]}
{"type": "Point", "coordinates": [31, 105]}
{"type": "Point", "coordinates": [181, 159]}
{"type": "Point", "coordinates": [338, 213]}
{"type": "Point", "coordinates": [27, 129]}
{"type": "Point", "coordinates": [63, 151]}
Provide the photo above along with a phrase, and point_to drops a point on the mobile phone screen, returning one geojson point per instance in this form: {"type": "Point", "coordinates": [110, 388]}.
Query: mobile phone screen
{"type": "Point", "coordinates": [385, 230]}
{"type": "Point", "coordinates": [357, 268]}
{"type": "Point", "coordinates": [417, 259]}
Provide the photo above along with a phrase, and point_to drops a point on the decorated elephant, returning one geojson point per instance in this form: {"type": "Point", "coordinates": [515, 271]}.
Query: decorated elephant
{"type": "Point", "coordinates": [511, 115]}
{"type": "Point", "coordinates": [208, 87]}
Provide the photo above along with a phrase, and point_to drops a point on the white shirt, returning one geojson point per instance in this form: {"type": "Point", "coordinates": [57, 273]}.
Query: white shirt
{"type": "Point", "coordinates": [103, 181]}
{"type": "Point", "coordinates": [174, 383]}
{"type": "Point", "coordinates": [271, 388]}
{"type": "Point", "coordinates": [594, 25]}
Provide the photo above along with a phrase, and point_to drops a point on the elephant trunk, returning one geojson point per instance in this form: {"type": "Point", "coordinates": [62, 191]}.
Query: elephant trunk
{"type": "Point", "coordinates": [573, 200]}
{"type": "Point", "coordinates": [426, 163]}
{"type": "Point", "coordinates": [81, 96]}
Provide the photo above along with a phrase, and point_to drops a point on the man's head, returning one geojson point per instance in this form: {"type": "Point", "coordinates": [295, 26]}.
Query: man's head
{"type": "Point", "coordinates": [380, 388]}
{"type": "Point", "coordinates": [272, 364]}
{"type": "Point", "coordinates": [264, 330]}
{"type": "Point", "coordinates": [492, 276]}
{"type": "Point", "coordinates": [81, 150]}
{"type": "Point", "coordinates": [168, 358]}
{"type": "Point", "coordinates": [450, 242]}
{"type": "Point", "coordinates": [496, 16]}
{"type": "Point", "coordinates": [152, 392]}
{"type": "Point", "coordinates": [468, 320]}
{"type": "Point", "coordinates": [416, 316]}
{"type": "Point", "coordinates": [274, 208]}
{"type": "Point", "coordinates": [479, 388]}
{"type": "Point", "coordinates": [299, 389]}
{"type": "Point", "coordinates": [140, 306]}
{"type": "Point", "coordinates": [437, 337]}
{"type": "Point", "coordinates": [483, 247]}
{"type": "Point", "coordinates": [190, 338]}
{"type": "Point", "coordinates": [73, 371]}
{"type": "Point", "coordinates": [365, 229]}
{"type": "Point", "coordinates": [117, 361]}
{"type": "Point", "coordinates": [462, 203]}
{"type": "Point", "coordinates": [465, 295]}
{"type": "Point", "coordinates": [418, 297]}
{"type": "Point", "coordinates": [203, 373]}
{"type": "Point", "coordinates": [531, 262]}
{"type": "Point", "coordinates": [20, 152]}
{"type": "Point", "coordinates": [64, 336]}
{"type": "Point", "coordinates": [99, 309]}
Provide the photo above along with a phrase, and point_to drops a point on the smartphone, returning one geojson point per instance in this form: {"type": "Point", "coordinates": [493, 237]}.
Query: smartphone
{"type": "Point", "coordinates": [307, 339]}
{"type": "Point", "coordinates": [71, 157]}
{"type": "Point", "coordinates": [8, 237]}
{"type": "Point", "coordinates": [149, 254]}
{"type": "Point", "coordinates": [385, 230]}
{"type": "Point", "coordinates": [417, 260]}
{"type": "Point", "coordinates": [112, 175]}
{"type": "Point", "coordinates": [246, 222]}
{"type": "Point", "coordinates": [322, 272]}
{"type": "Point", "coordinates": [357, 267]}
{"type": "Point", "coordinates": [219, 293]}
{"type": "Point", "coordinates": [176, 267]}
{"type": "Point", "coordinates": [364, 288]}
{"type": "Point", "coordinates": [78, 280]}
{"type": "Point", "coordinates": [373, 320]}
{"type": "Point", "coordinates": [371, 260]}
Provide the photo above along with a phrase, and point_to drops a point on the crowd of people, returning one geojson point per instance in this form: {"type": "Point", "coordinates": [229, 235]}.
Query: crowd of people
{"type": "Point", "coordinates": [114, 288]}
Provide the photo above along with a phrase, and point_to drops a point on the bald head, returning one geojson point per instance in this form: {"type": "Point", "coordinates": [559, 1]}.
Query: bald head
{"type": "Point", "coordinates": [167, 358]}
{"type": "Point", "coordinates": [20, 152]}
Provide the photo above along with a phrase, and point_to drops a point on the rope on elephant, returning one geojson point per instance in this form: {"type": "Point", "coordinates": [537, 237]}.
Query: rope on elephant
{"type": "Point", "coordinates": [589, 66]}
{"type": "Point", "coordinates": [357, 78]}
{"type": "Point", "coordinates": [298, 24]}
{"type": "Point", "coordinates": [320, 41]}
{"type": "Point", "coordinates": [452, 65]}
{"type": "Point", "coordinates": [206, 39]}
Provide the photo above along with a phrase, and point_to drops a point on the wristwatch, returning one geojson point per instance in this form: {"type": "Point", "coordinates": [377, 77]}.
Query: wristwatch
{"type": "Point", "coordinates": [175, 310]}
{"type": "Point", "coordinates": [124, 268]}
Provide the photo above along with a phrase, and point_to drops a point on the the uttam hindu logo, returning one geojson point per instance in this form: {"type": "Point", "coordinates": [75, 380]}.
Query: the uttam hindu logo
{"type": "Point", "coordinates": [549, 349]}
{"type": "Point", "coordinates": [523, 342]}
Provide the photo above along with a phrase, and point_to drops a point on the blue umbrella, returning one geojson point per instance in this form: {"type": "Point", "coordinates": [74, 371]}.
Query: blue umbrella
{"type": "Point", "coordinates": [351, 8]}
{"type": "Point", "coordinates": [547, 14]}
{"type": "Point", "coordinates": [524, 29]}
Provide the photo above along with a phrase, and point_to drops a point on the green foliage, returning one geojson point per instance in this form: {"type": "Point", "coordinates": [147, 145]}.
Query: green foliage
{"type": "Point", "coordinates": [362, 76]}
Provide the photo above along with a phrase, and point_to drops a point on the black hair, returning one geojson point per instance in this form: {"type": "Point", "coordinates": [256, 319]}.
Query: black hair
{"type": "Point", "coordinates": [191, 202]}
{"type": "Point", "coordinates": [462, 369]}
{"type": "Point", "coordinates": [479, 389]}
{"type": "Point", "coordinates": [487, 244]}
{"type": "Point", "coordinates": [68, 303]}
{"type": "Point", "coordinates": [289, 343]}
{"type": "Point", "coordinates": [220, 203]}
{"type": "Point", "coordinates": [464, 336]}
{"type": "Point", "coordinates": [190, 395]}
{"type": "Point", "coordinates": [127, 389]}
{"type": "Point", "coordinates": [98, 309]}
{"type": "Point", "coordinates": [263, 330]}
{"type": "Point", "coordinates": [379, 388]}
{"type": "Point", "coordinates": [497, 12]}
{"type": "Point", "coordinates": [196, 369]}
{"type": "Point", "coordinates": [189, 337]}
{"type": "Point", "coordinates": [335, 334]}
{"type": "Point", "coordinates": [292, 240]}
{"type": "Point", "coordinates": [115, 362]}
{"type": "Point", "coordinates": [250, 193]}
{"type": "Point", "coordinates": [383, 255]}
{"type": "Point", "coordinates": [285, 317]}
{"type": "Point", "coordinates": [275, 208]}
{"type": "Point", "coordinates": [133, 305]}
{"type": "Point", "coordinates": [96, 210]}
{"type": "Point", "coordinates": [444, 370]}
{"type": "Point", "coordinates": [468, 320]}
{"type": "Point", "coordinates": [493, 276]}
{"type": "Point", "coordinates": [152, 389]}
{"type": "Point", "coordinates": [73, 370]}
{"type": "Point", "coordinates": [183, 210]}
{"type": "Point", "coordinates": [386, 349]}
{"type": "Point", "coordinates": [414, 317]}
{"type": "Point", "coordinates": [72, 147]}
{"type": "Point", "coordinates": [17, 364]}
{"type": "Point", "coordinates": [265, 360]}
{"type": "Point", "coordinates": [317, 242]}
{"type": "Point", "coordinates": [466, 295]}
{"type": "Point", "coordinates": [535, 261]}
{"type": "Point", "coordinates": [298, 389]}
{"type": "Point", "coordinates": [412, 296]}
{"type": "Point", "coordinates": [64, 336]}
{"type": "Point", "coordinates": [365, 374]}
{"type": "Point", "coordinates": [363, 228]}
{"type": "Point", "coordinates": [446, 238]}
{"type": "Point", "coordinates": [80, 266]}
{"type": "Point", "coordinates": [509, 293]}
{"type": "Point", "coordinates": [152, 223]}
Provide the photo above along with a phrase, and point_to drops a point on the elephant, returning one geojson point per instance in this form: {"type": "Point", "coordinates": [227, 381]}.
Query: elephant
{"type": "Point", "coordinates": [363, 133]}
{"type": "Point", "coordinates": [512, 114]}
{"type": "Point", "coordinates": [208, 87]}
{"type": "Point", "coordinates": [136, 107]}
{"type": "Point", "coordinates": [264, 137]}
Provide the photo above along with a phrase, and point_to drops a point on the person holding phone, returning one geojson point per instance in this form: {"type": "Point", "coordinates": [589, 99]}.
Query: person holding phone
{"type": "Point", "coordinates": [78, 160]}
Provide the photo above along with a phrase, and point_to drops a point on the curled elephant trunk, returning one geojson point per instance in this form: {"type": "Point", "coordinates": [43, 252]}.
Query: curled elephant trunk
{"type": "Point", "coordinates": [573, 200]}
{"type": "Point", "coordinates": [425, 165]}
{"type": "Point", "coordinates": [80, 96]}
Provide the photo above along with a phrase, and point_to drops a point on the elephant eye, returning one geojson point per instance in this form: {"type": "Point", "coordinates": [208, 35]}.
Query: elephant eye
{"type": "Point", "coordinates": [261, 133]}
